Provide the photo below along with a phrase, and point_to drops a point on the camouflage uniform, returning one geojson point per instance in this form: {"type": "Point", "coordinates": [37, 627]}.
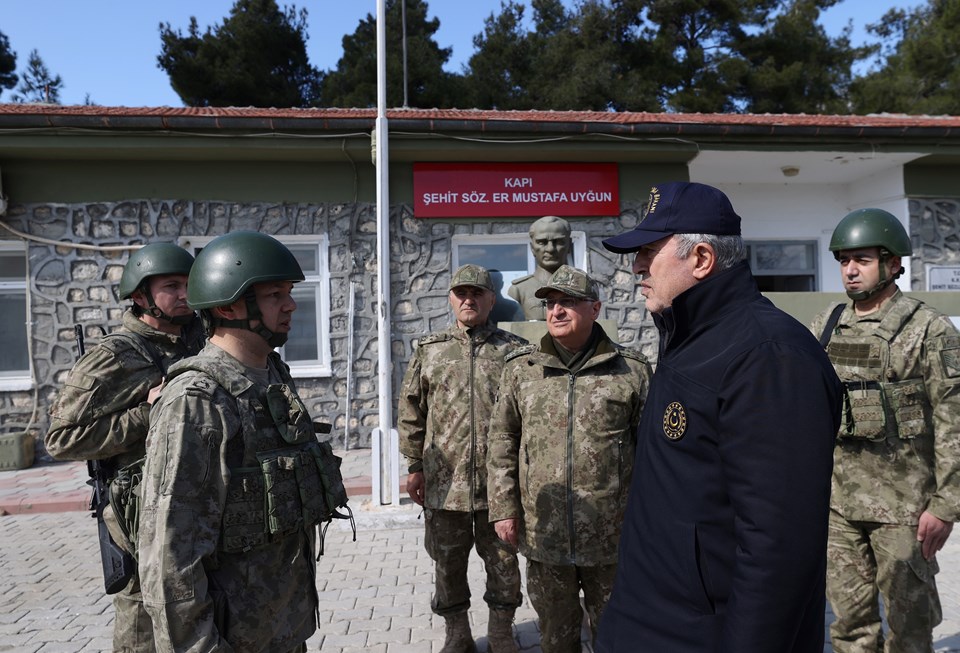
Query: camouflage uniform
{"type": "Point", "coordinates": [445, 404]}
{"type": "Point", "coordinates": [561, 457]}
{"type": "Point", "coordinates": [102, 413]}
{"type": "Point", "coordinates": [898, 454]}
{"type": "Point", "coordinates": [226, 527]}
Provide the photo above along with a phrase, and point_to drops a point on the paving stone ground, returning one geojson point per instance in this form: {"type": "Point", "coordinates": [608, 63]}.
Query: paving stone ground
{"type": "Point", "coordinates": [374, 593]}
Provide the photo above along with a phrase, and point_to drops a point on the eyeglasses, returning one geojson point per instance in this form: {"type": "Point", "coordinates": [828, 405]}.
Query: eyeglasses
{"type": "Point", "coordinates": [565, 302]}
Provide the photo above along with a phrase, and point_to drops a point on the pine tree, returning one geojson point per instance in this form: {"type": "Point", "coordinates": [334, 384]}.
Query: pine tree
{"type": "Point", "coordinates": [36, 84]}
{"type": "Point", "coordinates": [258, 57]}
{"type": "Point", "coordinates": [8, 64]}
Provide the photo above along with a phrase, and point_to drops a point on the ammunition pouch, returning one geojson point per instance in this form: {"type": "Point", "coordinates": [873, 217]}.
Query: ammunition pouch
{"type": "Point", "coordinates": [873, 410]}
{"type": "Point", "coordinates": [125, 504]}
{"type": "Point", "coordinates": [294, 488]}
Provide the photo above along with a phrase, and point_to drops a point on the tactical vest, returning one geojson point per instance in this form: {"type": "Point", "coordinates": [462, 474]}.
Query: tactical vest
{"type": "Point", "coordinates": [282, 479]}
{"type": "Point", "coordinates": [879, 403]}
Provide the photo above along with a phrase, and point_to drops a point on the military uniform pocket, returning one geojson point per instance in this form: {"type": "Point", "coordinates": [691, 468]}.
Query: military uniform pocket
{"type": "Point", "coordinates": [865, 416]}
{"type": "Point", "coordinates": [284, 507]}
{"type": "Point", "coordinates": [910, 408]}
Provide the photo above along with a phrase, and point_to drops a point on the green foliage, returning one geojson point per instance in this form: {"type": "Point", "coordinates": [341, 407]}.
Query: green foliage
{"type": "Point", "coordinates": [37, 84]}
{"type": "Point", "coordinates": [8, 64]}
{"type": "Point", "coordinates": [257, 58]}
{"type": "Point", "coordinates": [501, 68]}
{"type": "Point", "coordinates": [354, 82]}
{"type": "Point", "coordinates": [918, 72]}
{"type": "Point", "coordinates": [759, 56]}
{"type": "Point", "coordinates": [573, 60]}
{"type": "Point", "coordinates": [794, 67]}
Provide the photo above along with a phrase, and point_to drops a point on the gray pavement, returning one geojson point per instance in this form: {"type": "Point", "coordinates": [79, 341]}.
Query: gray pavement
{"type": "Point", "coordinates": [374, 593]}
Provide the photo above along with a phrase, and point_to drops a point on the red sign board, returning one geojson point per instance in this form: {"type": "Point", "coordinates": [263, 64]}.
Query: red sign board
{"type": "Point", "coordinates": [485, 190]}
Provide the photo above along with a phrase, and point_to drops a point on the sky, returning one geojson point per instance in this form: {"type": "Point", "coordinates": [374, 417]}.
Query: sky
{"type": "Point", "coordinates": [106, 50]}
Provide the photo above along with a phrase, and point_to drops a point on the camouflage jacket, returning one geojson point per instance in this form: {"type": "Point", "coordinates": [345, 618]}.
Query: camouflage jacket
{"type": "Point", "coordinates": [444, 411]}
{"type": "Point", "coordinates": [562, 448]}
{"type": "Point", "coordinates": [898, 453]}
{"type": "Point", "coordinates": [102, 411]}
{"type": "Point", "coordinates": [224, 565]}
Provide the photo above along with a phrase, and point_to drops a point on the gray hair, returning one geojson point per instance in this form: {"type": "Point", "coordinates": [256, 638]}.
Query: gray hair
{"type": "Point", "coordinates": [730, 250]}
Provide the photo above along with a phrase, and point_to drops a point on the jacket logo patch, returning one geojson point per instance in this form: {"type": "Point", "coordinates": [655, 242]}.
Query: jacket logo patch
{"type": "Point", "coordinates": [951, 362]}
{"type": "Point", "coordinates": [674, 421]}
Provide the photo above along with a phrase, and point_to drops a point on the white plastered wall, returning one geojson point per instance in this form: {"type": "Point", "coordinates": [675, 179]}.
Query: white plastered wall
{"type": "Point", "coordinates": [809, 205]}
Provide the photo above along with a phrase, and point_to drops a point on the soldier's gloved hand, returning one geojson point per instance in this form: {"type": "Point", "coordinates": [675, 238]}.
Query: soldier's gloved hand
{"type": "Point", "coordinates": [415, 487]}
{"type": "Point", "coordinates": [932, 532]}
{"type": "Point", "coordinates": [155, 391]}
{"type": "Point", "coordinates": [507, 530]}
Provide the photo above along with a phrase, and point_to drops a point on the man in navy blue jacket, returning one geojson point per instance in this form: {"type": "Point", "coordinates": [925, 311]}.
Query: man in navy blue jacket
{"type": "Point", "coordinates": [724, 539]}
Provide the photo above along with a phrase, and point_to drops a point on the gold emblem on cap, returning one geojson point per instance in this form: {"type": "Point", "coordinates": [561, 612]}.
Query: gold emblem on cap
{"type": "Point", "coordinates": [652, 202]}
{"type": "Point", "coordinates": [674, 421]}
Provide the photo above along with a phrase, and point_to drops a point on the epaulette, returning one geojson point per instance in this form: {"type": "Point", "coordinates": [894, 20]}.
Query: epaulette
{"type": "Point", "coordinates": [520, 351]}
{"type": "Point", "coordinates": [115, 345]}
{"type": "Point", "coordinates": [513, 338]}
{"type": "Point", "coordinates": [434, 337]}
{"type": "Point", "coordinates": [635, 354]}
{"type": "Point", "coordinates": [521, 279]}
{"type": "Point", "coordinates": [200, 385]}
{"type": "Point", "coordinates": [121, 341]}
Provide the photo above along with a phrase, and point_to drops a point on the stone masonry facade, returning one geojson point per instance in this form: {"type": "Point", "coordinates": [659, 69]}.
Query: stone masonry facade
{"type": "Point", "coordinates": [935, 231]}
{"type": "Point", "coordinates": [78, 286]}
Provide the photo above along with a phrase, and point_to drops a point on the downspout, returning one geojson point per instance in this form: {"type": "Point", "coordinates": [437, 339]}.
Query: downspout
{"type": "Point", "coordinates": [389, 450]}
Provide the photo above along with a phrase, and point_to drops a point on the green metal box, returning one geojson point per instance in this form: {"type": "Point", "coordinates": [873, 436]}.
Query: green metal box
{"type": "Point", "coordinates": [16, 450]}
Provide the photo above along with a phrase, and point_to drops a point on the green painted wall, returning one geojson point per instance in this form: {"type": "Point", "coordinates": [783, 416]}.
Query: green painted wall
{"type": "Point", "coordinates": [932, 176]}
{"type": "Point", "coordinates": [49, 180]}
{"type": "Point", "coordinates": [33, 181]}
{"type": "Point", "coordinates": [806, 305]}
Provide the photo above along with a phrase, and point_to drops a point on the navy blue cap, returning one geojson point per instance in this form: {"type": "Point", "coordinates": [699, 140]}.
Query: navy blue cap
{"type": "Point", "coordinates": [679, 207]}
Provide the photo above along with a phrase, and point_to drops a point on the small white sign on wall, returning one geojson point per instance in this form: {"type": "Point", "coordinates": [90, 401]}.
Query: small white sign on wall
{"type": "Point", "coordinates": [943, 277]}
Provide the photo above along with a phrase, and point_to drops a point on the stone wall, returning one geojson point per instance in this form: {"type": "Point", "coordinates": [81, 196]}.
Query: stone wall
{"type": "Point", "coordinates": [74, 286]}
{"type": "Point", "coordinates": [935, 231]}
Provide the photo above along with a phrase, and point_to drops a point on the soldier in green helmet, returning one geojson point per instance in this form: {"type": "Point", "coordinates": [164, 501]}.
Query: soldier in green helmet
{"type": "Point", "coordinates": [230, 493]}
{"type": "Point", "coordinates": [102, 411]}
{"type": "Point", "coordinates": [896, 476]}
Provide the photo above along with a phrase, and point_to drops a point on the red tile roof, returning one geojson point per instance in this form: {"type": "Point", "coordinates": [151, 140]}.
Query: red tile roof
{"type": "Point", "coordinates": [32, 115]}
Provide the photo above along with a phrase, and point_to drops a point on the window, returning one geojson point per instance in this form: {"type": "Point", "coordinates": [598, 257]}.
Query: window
{"type": "Point", "coordinates": [307, 350]}
{"type": "Point", "coordinates": [784, 266]}
{"type": "Point", "coordinates": [15, 352]}
{"type": "Point", "coordinates": [508, 257]}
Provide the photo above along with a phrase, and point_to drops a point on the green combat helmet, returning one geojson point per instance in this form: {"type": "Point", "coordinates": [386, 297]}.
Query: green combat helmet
{"type": "Point", "coordinates": [226, 270]}
{"type": "Point", "coordinates": [149, 261]}
{"type": "Point", "coordinates": [872, 228]}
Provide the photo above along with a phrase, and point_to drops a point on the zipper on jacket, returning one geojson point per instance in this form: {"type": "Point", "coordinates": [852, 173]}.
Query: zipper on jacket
{"type": "Point", "coordinates": [619, 468]}
{"type": "Point", "coordinates": [571, 396]}
{"type": "Point", "coordinates": [473, 425]}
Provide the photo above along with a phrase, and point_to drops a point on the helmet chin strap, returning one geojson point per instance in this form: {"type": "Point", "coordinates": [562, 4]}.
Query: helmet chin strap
{"type": "Point", "coordinates": [885, 281]}
{"type": "Point", "coordinates": [155, 311]}
{"type": "Point", "coordinates": [273, 338]}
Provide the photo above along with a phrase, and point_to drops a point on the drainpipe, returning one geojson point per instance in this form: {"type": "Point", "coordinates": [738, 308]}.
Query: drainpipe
{"type": "Point", "coordinates": [389, 449]}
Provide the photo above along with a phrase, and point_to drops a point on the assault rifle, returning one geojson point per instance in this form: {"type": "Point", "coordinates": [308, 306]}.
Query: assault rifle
{"type": "Point", "coordinates": [118, 565]}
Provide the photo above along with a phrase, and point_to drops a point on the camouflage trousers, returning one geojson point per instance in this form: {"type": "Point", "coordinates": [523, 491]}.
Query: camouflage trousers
{"type": "Point", "coordinates": [866, 560]}
{"type": "Point", "coordinates": [132, 626]}
{"type": "Point", "coordinates": [554, 592]}
{"type": "Point", "coordinates": [448, 537]}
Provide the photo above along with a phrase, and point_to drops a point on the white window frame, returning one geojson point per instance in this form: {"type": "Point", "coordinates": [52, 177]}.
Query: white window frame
{"type": "Point", "coordinates": [579, 239]}
{"type": "Point", "coordinates": [321, 281]}
{"type": "Point", "coordinates": [18, 379]}
{"type": "Point", "coordinates": [813, 270]}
